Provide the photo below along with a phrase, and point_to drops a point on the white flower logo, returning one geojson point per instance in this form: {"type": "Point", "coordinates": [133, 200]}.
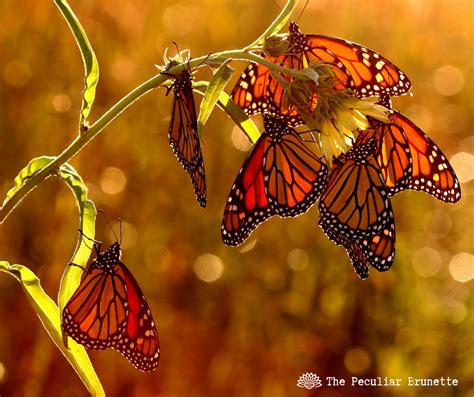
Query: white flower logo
{"type": "Point", "coordinates": [309, 381]}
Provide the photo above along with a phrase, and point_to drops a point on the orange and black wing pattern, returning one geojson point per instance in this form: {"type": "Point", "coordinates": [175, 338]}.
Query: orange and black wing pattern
{"type": "Point", "coordinates": [392, 154]}
{"type": "Point", "coordinates": [377, 251]}
{"type": "Point", "coordinates": [357, 68]}
{"type": "Point", "coordinates": [183, 134]}
{"type": "Point", "coordinates": [355, 203]}
{"type": "Point", "coordinates": [257, 91]}
{"type": "Point", "coordinates": [355, 210]}
{"type": "Point", "coordinates": [431, 171]}
{"type": "Point", "coordinates": [281, 176]}
{"type": "Point", "coordinates": [409, 159]}
{"type": "Point", "coordinates": [360, 69]}
{"type": "Point", "coordinates": [109, 310]}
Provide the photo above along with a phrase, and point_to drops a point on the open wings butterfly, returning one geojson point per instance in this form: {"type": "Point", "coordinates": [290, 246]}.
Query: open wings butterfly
{"type": "Point", "coordinates": [183, 134]}
{"type": "Point", "coordinates": [109, 310]}
{"type": "Point", "coordinates": [281, 176]}
{"type": "Point", "coordinates": [363, 71]}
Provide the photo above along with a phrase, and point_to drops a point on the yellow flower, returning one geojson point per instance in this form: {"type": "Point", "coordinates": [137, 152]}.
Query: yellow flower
{"type": "Point", "coordinates": [332, 112]}
{"type": "Point", "coordinates": [341, 123]}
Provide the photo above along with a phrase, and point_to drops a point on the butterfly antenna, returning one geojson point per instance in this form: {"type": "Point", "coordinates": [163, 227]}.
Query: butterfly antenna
{"type": "Point", "coordinates": [76, 265]}
{"type": "Point", "coordinates": [311, 133]}
{"type": "Point", "coordinates": [304, 8]}
{"type": "Point", "coordinates": [120, 226]}
{"type": "Point", "coordinates": [110, 225]}
{"type": "Point", "coordinates": [276, 5]}
{"type": "Point", "coordinates": [177, 48]}
{"type": "Point", "coordinates": [95, 243]}
{"type": "Point", "coordinates": [351, 138]}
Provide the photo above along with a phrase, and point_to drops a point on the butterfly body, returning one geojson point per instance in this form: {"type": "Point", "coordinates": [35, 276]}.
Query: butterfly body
{"type": "Point", "coordinates": [281, 176]}
{"type": "Point", "coordinates": [109, 310]}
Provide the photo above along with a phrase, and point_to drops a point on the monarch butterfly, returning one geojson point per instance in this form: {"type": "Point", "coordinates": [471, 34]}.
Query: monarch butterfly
{"type": "Point", "coordinates": [109, 310]}
{"type": "Point", "coordinates": [281, 176]}
{"type": "Point", "coordinates": [183, 135]}
{"type": "Point", "coordinates": [355, 203]}
{"type": "Point", "coordinates": [363, 71]}
{"type": "Point", "coordinates": [409, 159]}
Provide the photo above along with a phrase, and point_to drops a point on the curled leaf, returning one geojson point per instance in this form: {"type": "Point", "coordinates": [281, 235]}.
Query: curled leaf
{"type": "Point", "coordinates": [91, 66]}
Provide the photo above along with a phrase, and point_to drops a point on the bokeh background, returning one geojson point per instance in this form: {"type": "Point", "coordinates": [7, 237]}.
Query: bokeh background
{"type": "Point", "coordinates": [244, 321]}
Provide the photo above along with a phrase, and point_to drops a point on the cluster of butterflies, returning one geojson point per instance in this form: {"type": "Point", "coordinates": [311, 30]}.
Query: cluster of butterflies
{"type": "Point", "coordinates": [281, 176]}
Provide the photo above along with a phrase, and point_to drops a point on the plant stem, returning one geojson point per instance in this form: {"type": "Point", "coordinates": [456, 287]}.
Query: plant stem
{"type": "Point", "coordinates": [85, 137]}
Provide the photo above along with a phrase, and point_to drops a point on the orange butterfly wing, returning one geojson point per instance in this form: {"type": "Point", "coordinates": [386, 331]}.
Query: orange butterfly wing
{"type": "Point", "coordinates": [139, 344]}
{"type": "Point", "coordinates": [377, 251]}
{"type": "Point", "coordinates": [257, 91]}
{"type": "Point", "coordinates": [96, 314]}
{"type": "Point", "coordinates": [392, 154]}
{"type": "Point", "coordinates": [281, 176]}
{"type": "Point", "coordinates": [356, 67]}
{"type": "Point", "coordinates": [431, 171]}
{"type": "Point", "coordinates": [355, 210]}
{"type": "Point", "coordinates": [183, 135]}
{"type": "Point", "coordinates": [409, 159]}
{"type": "Point", "coordinates": [355, 203]}
{"type": "Point", "coordinates": [109, 310]}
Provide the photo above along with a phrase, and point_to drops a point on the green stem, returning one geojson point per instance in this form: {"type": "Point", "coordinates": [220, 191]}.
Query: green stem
{"type": "Point", "coordinates": [86, 136]}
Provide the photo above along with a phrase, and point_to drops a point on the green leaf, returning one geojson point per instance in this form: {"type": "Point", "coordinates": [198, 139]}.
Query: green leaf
{"type": "Point", "coordinates": [213, 92]}
{"type": "Point", "coordinates": [236, 113]}
{"type": "Point", "coordinates": [278, 23]}
{"type": "Point", "coordinates": [34, 166]}
{"type": "Point", "coordinates": [91, 66]}
{"type": "Point", "coordinates": [87, 215]}
{"type": "Point", "coordinates": [48, 313]}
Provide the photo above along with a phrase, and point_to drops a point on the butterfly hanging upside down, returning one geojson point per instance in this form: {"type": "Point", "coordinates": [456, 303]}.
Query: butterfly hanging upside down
{"type": "Point", "coordinates": [109, 310]}
{"type": "Point", "coordinates": [183, 133]}
{"type": "Point", "coordinates": [281, 176]}
{"type": "Point", "coordinates": [355, 210]}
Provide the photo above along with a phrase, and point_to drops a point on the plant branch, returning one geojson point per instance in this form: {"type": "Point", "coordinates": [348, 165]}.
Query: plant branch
{"type": "Point", "coordinates": [86, 136]}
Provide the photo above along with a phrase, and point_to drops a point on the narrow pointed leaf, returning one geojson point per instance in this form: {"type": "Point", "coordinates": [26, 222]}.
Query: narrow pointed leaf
{"type": "Point", "coordinates": [91, 66]}
{"type": "Point", "coordinates": [235, 113]}
{"type": "Point", "coordinates": [48, 313]}
{"type": "Point", "coordinates": [213, 92]}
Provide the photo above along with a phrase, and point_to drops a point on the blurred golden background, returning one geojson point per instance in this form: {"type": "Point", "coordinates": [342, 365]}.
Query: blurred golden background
{"type": "Point", "coordinates": [244, 321]}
